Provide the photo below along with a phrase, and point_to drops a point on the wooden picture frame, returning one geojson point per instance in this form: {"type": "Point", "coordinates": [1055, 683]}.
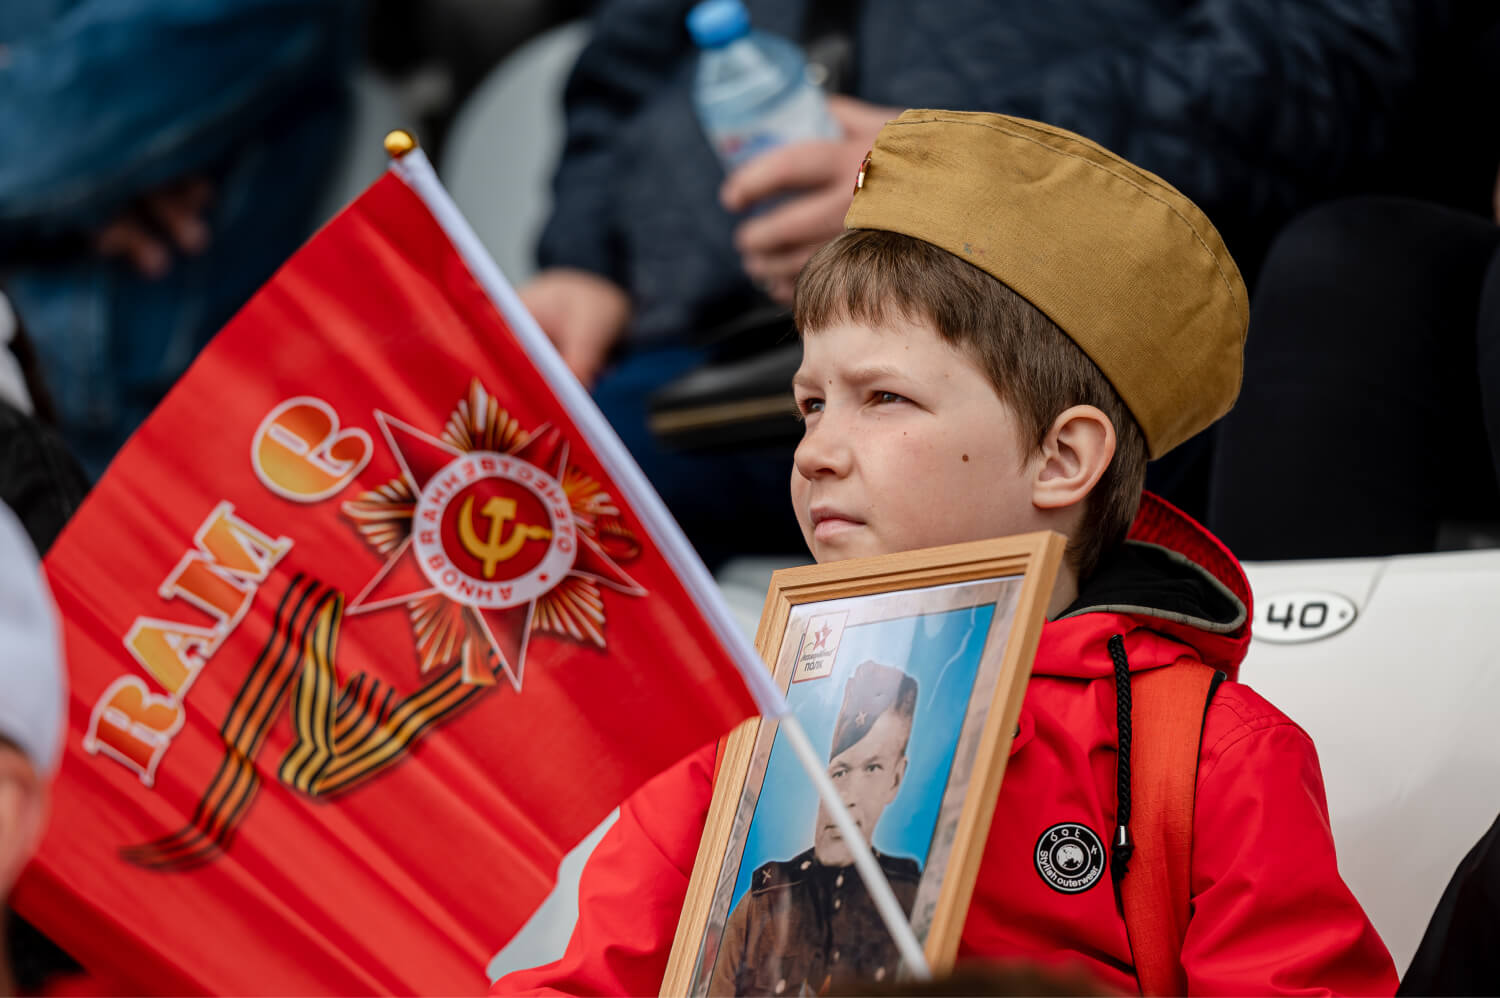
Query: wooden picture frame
{"type": "Point", "coordinates": [926, 653]}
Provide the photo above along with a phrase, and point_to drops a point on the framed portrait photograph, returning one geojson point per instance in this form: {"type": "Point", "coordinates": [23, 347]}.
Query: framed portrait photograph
{"type": "Point", "coordinates": [907, 673]}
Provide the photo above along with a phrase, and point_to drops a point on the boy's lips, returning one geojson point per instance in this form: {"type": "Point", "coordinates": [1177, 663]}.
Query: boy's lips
{"type": "Point", "coordinates": [829, 522]}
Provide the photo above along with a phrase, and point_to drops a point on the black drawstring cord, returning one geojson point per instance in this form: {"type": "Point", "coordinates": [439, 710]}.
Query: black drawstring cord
{"type": "Point", "coordinates": [1123, 848]}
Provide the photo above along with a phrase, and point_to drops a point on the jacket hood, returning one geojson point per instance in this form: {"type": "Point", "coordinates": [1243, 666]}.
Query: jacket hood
{"type": "Point", "coordinates": [1172, 589]}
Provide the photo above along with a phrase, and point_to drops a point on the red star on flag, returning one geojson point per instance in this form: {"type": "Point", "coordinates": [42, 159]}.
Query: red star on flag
{"type": "Point", "coordinates": [489, 535]}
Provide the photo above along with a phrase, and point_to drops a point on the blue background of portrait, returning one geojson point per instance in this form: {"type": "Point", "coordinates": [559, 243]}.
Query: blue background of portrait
{"type": "Point", "coordinates": [941, 651]}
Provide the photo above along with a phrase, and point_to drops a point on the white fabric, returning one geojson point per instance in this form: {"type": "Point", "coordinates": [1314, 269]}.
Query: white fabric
{"type": "Point", "coordinates": [544, 937]}
{"type": "Point", "coordinates": [32, 680]}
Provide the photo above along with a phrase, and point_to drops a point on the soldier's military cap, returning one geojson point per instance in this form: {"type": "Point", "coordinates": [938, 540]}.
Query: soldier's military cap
{"type": "Point", "coordinates": [1121, 261]}
{"type": "Point", "coordinates": [872, 690]}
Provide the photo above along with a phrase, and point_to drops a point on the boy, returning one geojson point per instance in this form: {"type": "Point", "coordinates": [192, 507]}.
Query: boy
{"type": "Point", "coordinates": [1017, 319]}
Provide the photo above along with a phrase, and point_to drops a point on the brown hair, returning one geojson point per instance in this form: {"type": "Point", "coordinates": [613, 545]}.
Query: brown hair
{"type": "Point", "coordinates": [1019, 977]}
{"type": "Point", "coordinates": [865, 275]}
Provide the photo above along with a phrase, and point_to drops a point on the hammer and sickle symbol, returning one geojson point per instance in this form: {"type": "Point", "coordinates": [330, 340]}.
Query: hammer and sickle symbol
{"type": "Point", "coordinates": [492, 550]}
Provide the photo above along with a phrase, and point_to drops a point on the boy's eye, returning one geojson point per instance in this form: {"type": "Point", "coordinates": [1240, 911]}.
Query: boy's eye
{"type": "Point", "coordinates": [809, 405]}
{"type": "Point", "coordinates": [882, 398]}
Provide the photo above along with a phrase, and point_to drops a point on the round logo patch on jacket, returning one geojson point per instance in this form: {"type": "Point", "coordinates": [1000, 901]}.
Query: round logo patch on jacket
{"type": "Point", "coordinates": [1070, 857]}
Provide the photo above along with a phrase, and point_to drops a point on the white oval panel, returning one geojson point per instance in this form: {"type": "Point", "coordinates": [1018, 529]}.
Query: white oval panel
{"type": "Point", "coordinates": [1294, 617]}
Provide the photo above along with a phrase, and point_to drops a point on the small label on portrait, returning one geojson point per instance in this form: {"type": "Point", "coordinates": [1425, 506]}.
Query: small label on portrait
{"type": "Point", "coordinates": [820, 646]}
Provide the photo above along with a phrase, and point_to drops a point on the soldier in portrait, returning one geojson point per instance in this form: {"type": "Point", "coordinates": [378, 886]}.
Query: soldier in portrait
{"type": "Point", "coordinates": [807, 924]}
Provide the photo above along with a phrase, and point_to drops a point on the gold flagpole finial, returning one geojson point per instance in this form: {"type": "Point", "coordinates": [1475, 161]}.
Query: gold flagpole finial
{"type": "Point", "coordinates": [399, 142]}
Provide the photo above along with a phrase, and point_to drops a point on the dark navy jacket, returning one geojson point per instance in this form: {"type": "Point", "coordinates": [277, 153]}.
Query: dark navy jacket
{"type": "Point", "coordinates": [1253, 108]}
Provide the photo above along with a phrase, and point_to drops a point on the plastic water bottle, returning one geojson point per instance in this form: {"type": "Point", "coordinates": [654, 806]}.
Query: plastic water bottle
{"type": "Point", "coordinates": [752, 90]}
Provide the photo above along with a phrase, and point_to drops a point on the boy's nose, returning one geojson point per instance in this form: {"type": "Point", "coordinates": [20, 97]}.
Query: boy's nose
{"type": "Point", "coordinates": [823, 451]}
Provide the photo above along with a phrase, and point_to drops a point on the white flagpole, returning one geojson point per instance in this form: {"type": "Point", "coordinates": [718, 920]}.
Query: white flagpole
{"type": "Point", "coordinates": [413, 167]}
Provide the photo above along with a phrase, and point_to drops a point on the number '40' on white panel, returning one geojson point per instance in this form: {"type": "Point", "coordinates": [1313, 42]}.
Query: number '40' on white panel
{"type": "Point", "coordinates": [1290, 618]}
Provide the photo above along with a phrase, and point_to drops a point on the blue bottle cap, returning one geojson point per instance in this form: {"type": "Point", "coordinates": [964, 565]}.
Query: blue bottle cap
{"type": "Point", "coordinates": [713, 23]}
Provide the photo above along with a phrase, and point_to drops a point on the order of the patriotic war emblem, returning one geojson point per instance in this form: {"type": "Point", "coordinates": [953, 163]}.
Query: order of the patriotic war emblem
{"type": "Point", "coordinates": [490, 537]}
{"type": "Point", "coordinates": [1070, 857]}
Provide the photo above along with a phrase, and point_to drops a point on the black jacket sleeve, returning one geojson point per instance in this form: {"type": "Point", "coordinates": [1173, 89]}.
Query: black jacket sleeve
{"type": "Point", "coordinates": [635, 46]}
{"type": "Point", "coordinates": [1458, 955]}
{"type": "Point", "coordinates": [1253, 108]}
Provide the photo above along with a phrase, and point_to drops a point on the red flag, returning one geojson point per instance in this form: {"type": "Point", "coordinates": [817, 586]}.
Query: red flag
{"type": "Point", "coordinates": [366, 628]}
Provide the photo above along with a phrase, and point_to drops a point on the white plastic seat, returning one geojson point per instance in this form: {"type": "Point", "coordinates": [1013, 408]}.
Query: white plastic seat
{"type": "Point", "coordinates": [1401, 704]}
{"type": "Point", "coordinates": [504, 143]}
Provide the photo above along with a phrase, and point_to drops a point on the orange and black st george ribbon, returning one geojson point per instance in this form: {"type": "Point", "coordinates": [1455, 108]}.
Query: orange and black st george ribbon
{"type": "Point", "coordinates": [342, 736]}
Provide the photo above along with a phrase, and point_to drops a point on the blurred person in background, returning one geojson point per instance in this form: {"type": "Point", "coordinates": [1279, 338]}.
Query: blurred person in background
{"type": "Point", "coordinates": [40, 480]}
{"type": "Point", "coordinates": [1254, 109]}
{"type": "Point", "coordinates": [980, 977]}
{"type": "Point", "coordinates": [1369, 419]}
{"type": "Point", "coordinates": [161, 158]}
{"type": "Point", "coordinates": [42, 484]}
{"type": "Point", "coordinates": [32, 682]}
{"type": "Point", "coordinates": [1458, 955]}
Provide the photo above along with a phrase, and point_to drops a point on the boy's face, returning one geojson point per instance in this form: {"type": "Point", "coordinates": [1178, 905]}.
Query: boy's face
{"type": "Point", "coordinates": [867, 775]}
{"type": "Point", "coordinates": [906, 445]}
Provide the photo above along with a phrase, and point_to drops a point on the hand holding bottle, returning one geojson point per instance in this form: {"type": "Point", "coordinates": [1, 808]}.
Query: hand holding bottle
{"type": "Point", "coordinates": [812, 183]}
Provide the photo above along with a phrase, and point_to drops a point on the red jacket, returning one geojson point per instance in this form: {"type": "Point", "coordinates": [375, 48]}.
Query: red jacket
{"type": "Point", "coordinates": [1270, 914]}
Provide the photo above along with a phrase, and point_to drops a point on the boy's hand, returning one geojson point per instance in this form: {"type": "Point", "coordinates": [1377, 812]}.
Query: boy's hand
{"type": "Point", "coordinates": [582, 313]}
{"type": "Point", "coordinates": [817, 180]}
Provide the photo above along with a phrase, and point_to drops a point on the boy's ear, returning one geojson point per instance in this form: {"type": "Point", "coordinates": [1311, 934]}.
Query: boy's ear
{"type": "Point", "coordinates": [1074, 454]}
